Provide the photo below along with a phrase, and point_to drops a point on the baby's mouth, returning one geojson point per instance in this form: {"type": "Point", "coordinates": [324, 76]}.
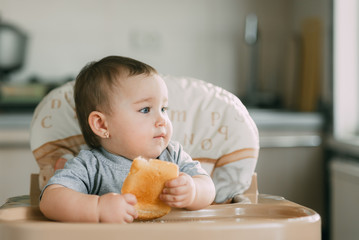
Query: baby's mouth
{"type": "Point", "coordinates": [162, 135]}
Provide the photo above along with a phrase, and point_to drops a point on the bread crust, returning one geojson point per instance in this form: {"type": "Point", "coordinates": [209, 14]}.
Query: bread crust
{"type": "Point", "coordinates": [146, 181]}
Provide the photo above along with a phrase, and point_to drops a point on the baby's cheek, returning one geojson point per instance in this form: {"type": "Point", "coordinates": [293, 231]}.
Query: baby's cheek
{"type": "Point", "coordinates": [169, 128]}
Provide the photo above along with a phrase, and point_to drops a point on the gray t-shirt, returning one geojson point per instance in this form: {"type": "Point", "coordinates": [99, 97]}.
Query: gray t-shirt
{"type": "Point", "coordinates": [98, 171]}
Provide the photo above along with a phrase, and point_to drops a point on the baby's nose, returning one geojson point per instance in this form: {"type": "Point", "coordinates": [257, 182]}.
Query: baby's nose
{"type": "Point", "coordinates": [161, 120]}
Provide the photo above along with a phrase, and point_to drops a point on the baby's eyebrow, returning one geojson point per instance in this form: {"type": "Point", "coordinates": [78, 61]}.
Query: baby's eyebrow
{"type": "Point", "coordinates": [143, 100]}
{"type": "Point", "coordinates": [165, 100]}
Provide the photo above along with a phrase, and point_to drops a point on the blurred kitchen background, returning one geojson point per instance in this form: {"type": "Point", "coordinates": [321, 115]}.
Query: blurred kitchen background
{"type": "Point", "coordinates": [292, 62]}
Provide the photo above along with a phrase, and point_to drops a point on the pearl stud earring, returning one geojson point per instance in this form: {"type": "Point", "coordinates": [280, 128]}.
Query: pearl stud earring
{"type": "Point", "coordinates": [106, 134]}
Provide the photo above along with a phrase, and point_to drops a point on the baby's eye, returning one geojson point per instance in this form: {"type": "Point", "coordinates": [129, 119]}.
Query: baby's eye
{"type": "Point", "coordinates": [145, 110]}
{"type": "Point", "coordinates": [164, 109]}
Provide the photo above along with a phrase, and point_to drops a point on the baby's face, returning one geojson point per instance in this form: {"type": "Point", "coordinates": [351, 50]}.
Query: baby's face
{"type": "Point", "coordinates": [139, 124]}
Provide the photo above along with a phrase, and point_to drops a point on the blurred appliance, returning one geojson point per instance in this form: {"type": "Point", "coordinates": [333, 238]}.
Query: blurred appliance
{"type": "Point", "coordinates": [16, 96]}
{"type": "Point", "coordinates": [251, 38]}
{"type": "Point", "coordinates": [255, 95]}
{"type": "Point", "coordinates": [12, 49]}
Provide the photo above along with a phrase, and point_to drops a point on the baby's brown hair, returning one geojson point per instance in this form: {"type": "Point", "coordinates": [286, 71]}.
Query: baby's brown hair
{"type": "Point", "coordinates": [94, 88]}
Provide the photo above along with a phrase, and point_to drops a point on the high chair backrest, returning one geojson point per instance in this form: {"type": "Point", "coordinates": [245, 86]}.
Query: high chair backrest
{"type": "Point", "coordinates": [212, 125]}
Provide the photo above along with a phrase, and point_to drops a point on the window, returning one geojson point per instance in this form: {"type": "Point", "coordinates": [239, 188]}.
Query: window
{"type": "Point", "coordinates": [346, 68]}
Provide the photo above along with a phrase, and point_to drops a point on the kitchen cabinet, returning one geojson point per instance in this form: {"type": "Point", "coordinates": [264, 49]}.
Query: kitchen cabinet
{"type": "Point", "coordinates": [344, 180]}
{"type": "Point", "coordinates": [16, 159]}
{"type": "Point", "coordinates": [290, 162]}
{"type": "Point", "coordinates": [296, 173]}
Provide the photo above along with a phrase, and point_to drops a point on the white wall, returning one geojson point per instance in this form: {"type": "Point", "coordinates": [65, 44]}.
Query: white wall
{"type": "Point", "coordinates": [197, 38]}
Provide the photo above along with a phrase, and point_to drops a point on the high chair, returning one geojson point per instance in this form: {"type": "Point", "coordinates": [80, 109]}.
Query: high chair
{"type": "Point", "coordinates": [214, 128]}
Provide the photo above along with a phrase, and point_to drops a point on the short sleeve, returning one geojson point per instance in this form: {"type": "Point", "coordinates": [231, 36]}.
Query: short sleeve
{"type": "Point", "coordinates": [74, 176]}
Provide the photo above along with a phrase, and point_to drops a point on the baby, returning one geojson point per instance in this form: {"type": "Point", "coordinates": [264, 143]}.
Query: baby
{"type": "Point", "coordinates": [121, 105]}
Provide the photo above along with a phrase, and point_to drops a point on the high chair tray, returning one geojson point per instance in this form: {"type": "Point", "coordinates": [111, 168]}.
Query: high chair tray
{"type": "Point", "coordinates": [270, 217]}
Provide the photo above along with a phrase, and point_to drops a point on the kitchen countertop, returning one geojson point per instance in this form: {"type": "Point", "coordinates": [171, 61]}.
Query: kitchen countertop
{"type": "Point", "coordinates": [269, 119]}
{"type": "Point", "coordinates": [14, 130]}
{"type": "Point", "coordinates": [15, 120]}
{"type": "Point", "coordinates": [348, 145]}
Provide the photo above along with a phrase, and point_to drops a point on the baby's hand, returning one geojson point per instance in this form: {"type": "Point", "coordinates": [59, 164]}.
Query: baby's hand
{"type": "Point", "coordinates": [113, 207]}
{"type": "Point", "coordinates": [179, 192]}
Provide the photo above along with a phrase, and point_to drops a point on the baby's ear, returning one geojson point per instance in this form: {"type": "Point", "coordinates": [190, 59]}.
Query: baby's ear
{"type": "Point", "coordinates": [98, 124]}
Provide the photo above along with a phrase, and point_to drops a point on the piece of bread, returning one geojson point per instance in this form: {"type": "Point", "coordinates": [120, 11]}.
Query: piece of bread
{"type": "Point", "coordinates": [146, 181]}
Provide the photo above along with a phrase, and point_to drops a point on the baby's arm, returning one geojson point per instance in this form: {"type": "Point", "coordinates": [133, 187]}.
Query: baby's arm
{"type": "Point", "coordinates": [189, 192]}
{"type": "Point", "coordinates": [64, 204]}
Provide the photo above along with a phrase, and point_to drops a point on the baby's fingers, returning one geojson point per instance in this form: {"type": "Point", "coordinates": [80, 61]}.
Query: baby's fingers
{"type": "Point", "coordinates": [173, 200]}
{"type": "Point", "coordinates": [130, 198]}
{"type": "Point", "coordinates": [180, 180]}
{"type": "Point", "coordinates": [175, 190]}
{"type": "Point", "coordinates": [128, 219]}
{"type": "Point", "coordinates": [132, 212]}
{"type": "Point", "coordinates": [130, 216]}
